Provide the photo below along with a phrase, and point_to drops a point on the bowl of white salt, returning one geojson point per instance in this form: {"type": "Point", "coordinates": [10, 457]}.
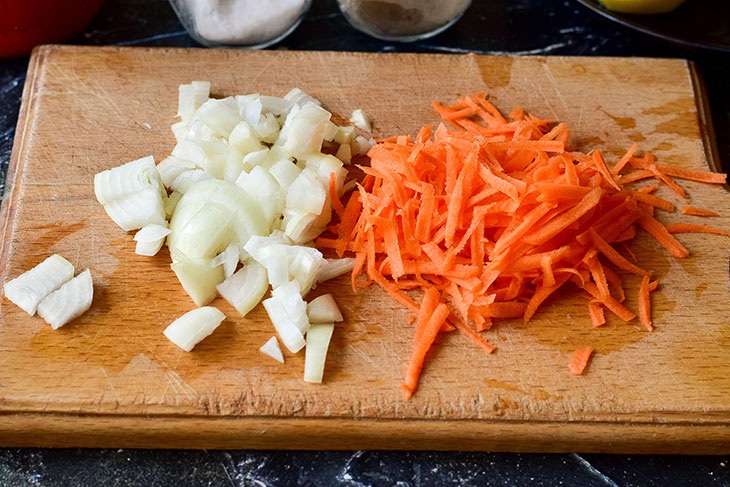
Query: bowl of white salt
{"type": "Point", "coordinates": [250, 24]}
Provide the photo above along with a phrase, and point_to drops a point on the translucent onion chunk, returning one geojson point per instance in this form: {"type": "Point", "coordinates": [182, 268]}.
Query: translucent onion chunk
{"type": "Point", "coordinates": [245, 288]}
{"type": "Point", "coordinates": [323, 309]}
{"type": "Point", "coordinates": [271, 348]}
{"type": "Point", "coordinates": [188, 330]}
{"type": "Point", "coordinates": [150, 239]}
{"type": "Point", "coordinates": [68, 302]}
{"type": "Point", "coordinates": [318, 341]}
{"type": "Point", "coordinates": [29, 288]}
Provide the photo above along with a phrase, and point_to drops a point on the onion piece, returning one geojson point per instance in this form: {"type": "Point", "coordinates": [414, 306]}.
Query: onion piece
{"type": "Point", "coordinates": [191, 96]}
{"type": "Point", "coordinates": [28, 289]}
{"type": "Point", "coordinates": [345, 134]}
{"type": "Point", "coordinates": [360, 120]}
{"type": "Point", "coordinates": [218, 115]}
{"type": "Point", "coordinates": [171, 203]}
{"type": "Point", "coordinates": [271, 348]}
{"type": "Point", "coordinates": [68, 302]}
{"type": "Point", "coordinates": [303, 132]}
{"type": "Point", "coordinates": [171, 167]}
{"type": "Point", "coordinates": [263, 187]}
{"type": "Point", "coordinates": [306, 193]}
{"type": "Point", "coordinates": [290, 296]}
{"type": "Point", "coordinates": [323, 309]}
{"type": "Point", "coordinates": [285, 172]}
{"type": "Point", "coordinates": [150, 239]}
{"type": "Point", "coordinates": [245, 288]}
{"type": "Point", "coordinates": [228, 259]}
{"type": "Point", "coordinates": [120, 181]}
{"type": "Point", "coordinates": [198, 278]}
{"type": "Point", "coordinates": [189, 329]}
{"type": "Point", "coordinates": [188, 150]}
{"type": "Point", "coordinates": [332, 268]}
{"type": "Point", "coordinates": [344, 153]}
{"type": "Point", "coordinates": [318, 341]}
{"type": "Point", "coordinates": [288, 331]}
{"type": "Point", "coordinates": [137, 210]}
{"type": "Point", "coordinates": [362, 145]}
{"type": "Point", "coordinates": [244, 139]}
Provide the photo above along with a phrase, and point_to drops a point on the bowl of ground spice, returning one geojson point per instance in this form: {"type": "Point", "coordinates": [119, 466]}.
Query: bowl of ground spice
{"type": "Point", "coordinates": [402, 20]}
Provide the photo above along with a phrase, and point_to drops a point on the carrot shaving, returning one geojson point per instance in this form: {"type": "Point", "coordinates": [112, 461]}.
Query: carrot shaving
{"type": "Point", "coordinates": [580, 360]}
{"type": "Point", "coordinates": [691, 210]}
{"type": "Point", "coordinates": [491, 217]}
{"type": "Point", "coordinates": [694, 228]}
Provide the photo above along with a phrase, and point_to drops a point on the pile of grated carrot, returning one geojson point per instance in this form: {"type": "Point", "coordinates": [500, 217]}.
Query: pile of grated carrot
{"type": "Point", "coordinates": [490, 217]}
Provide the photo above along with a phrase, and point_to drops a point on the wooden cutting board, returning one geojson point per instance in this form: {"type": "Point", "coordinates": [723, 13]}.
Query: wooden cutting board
{"type": "Point", "coordinates": [112, 379]}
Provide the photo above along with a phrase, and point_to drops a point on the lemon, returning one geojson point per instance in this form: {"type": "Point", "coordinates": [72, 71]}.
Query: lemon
{"type": "Point", "coordinates": [641, 6]}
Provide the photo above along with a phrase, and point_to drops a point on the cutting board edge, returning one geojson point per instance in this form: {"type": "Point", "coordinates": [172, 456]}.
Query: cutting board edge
{"type": "Point", "coordinates": [109, 431]}
{"type": "Point", "coordinates": [10, 196]}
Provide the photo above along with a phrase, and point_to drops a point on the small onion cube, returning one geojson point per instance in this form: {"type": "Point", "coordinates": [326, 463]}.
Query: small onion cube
{"type": "Point", "coordinates": [171, 167]}
{"type": "Point", "coordinates": [68, 302]}
{"type": "Point", "coordinates": [136, 210]}
{"type": "Point", "coordinates": [331, 268]}
{"type": "Point", "coordinates": [323, 309]}
{"type": "Point", "coordinates": [344, 153]}
{"type": "Point", "coordinates": [344, 135]}
{"type": "Point", "coordinates": [118, 182]}
{"type": "Point", "coordinates": [285, 172]}
{"type": "Point", "coordinates": [218, 115]}
{"type": "Point", "coordinates": [228, 259]}
{"type": "Point", "coordinates": [288, 331]}
{"type": "Point", "coordinates": [189, 329]}
{"type": "Point", "coordinates": [199, 279]}
{"type": "Point", "coordinates": [245, 288]}
{"type": "Point", "coordinates": [244, 139]}
{"type": "Point", "coordinates": [306, 193]}
{"type": "Point", "coordinates": [303, 132]}
{"type": "Point", "coordinates": [28, 289]}
{"type": "Point", "coordinates": [360, 120]}
{"type": "Point", "coordinates": [271, 348]}
{"type": "Point", "coordinates": [318, 341]}
{"type": "Point", "coordinates": [290, 297]}
{"type": "Point", "coordinates": [150, 239]}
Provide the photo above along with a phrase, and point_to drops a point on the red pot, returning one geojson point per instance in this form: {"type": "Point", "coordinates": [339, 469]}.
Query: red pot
{"type": "Point", "coordinates": [26, 23]}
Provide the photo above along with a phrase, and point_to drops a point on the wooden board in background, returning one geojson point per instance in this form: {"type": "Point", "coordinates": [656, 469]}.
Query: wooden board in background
{"type": "Point", "coordinates": [112, 379]}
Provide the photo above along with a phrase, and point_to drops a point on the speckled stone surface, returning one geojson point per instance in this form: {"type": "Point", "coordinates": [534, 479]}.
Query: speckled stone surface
{"type": "Point", "coordinates": [489, 27]}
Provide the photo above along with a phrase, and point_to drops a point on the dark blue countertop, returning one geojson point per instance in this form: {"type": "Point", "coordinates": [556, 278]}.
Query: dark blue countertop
{"type": "Point", "coordinates": [538, 27]}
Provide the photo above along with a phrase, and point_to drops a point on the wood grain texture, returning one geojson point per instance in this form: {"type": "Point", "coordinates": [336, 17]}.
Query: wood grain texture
{"type": "Point", "coordinates": [88, 109]}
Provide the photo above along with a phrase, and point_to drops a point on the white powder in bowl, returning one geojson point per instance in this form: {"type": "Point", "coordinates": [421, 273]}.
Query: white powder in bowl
{"type": "Point", "coordinates": [243, 22]}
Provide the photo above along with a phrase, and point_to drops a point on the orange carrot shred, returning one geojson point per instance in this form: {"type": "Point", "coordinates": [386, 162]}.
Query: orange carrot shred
{"type": "Point", "coordinates": [580, 360]}
{"type": "Point", "coordinates": [490, 217]}
{"type": "Point", "coordinates": [691, 210]}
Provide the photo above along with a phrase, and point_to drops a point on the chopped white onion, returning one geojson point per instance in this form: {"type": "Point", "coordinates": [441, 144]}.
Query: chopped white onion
{"type": "Point", "coordinates": [360, 120]}
{"type": "Point", "coordinates": [362, 145]}
{"type": "Point", "coordinates": [344, 153]}
{"type": "Point", "coordinates": [244, 139]}
{"type": "Point", "coordinates": [171, 167]}
{"type": "Point", "coordinates": [120, 181]}
{"type": "Point", "coordinates": [318, 341]}
{"type": "Point", "coordinates": [171, 203]}
{"type": "Point", "coordinates": [332, 268]}
{"type": "Point", "coordinates": [218, 115]}
{"type": "Point", "coordinates": [198, 278]}
{"type": "Point", "coordinates": [29, 288]}
{"type": "Point", "coordinates": [288, 331]}
{"type": "Point", "coordinates": [323, 309]}
{"type": "Point", "coordinates": [228, 259]}
{"type": "Point", "coordinates": [271, 348]}
{"type": "Point", "coordinates": [306, 193]}
{"type": "Point", "coordinates": [263, 187]}
{"type": "Point", "coordinates": [285, 172]}
{"type": "Point", "coordinates": [245, 288]}
{"type": "Point", "coordinates": [344, 135]}
{"type": "Point", "coordinates": [68, 302]}
{"type": "Point", "coordinates": [191, 96]}
{"type": "Point", "coordinates": [330, 131]}
{"type": "Point", "coordinates": [150, 239]}
{"type": "Point", "coordinates": [188, 150]}
{"type": "Point", "coordinates": [135, 210]}
{"type": "Point", "coordinates": [267, 128]}
{"type": "Point", "coordinates": [303, 132]}
{"type": "Point", "coordinates": [189, 329]}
